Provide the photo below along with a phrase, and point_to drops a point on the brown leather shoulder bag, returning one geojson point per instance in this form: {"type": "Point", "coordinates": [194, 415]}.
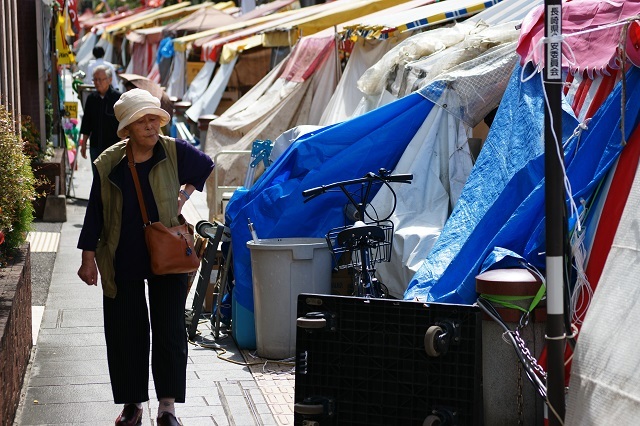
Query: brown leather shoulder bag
{"type": "Point", "coordinates": [171, 249]}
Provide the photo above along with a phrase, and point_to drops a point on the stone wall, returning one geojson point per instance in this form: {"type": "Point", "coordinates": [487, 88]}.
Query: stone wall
{"type": "Point", "coordinates": [15, 331]}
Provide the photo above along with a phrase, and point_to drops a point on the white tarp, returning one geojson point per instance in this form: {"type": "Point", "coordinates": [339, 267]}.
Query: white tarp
{"type": "Point", "coordinates": [605, 378]}
{"type": "Point", "coordinates": [209, 101]}
{"type": "Point", "coordinates": [283, 141]}
{"type": "Point", "coordinates": [324, 82]}
{"type": "Point", "coordinates": [346, 97]}
{"type": "Point", "coordinates": [177, 79]}
{"type": "Point", "coordinates": [439, 158]}
{"type": "Point", "coordinates": [85, 52]}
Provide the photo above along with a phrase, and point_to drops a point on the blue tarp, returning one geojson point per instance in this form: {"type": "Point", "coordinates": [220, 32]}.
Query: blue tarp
{"type": "Point", "coordinates": [502, 204]}
{"type": "Point", "coordinates": [343, 151]}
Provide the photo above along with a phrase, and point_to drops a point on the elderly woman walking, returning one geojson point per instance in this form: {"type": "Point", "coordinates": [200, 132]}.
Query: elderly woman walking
{"type": "Point", "coordinates": [112, 242]}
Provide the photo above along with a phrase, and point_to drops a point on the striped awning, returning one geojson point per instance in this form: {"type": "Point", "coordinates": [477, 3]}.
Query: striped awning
{"type": "Point", "coordinates": [382, 27]}
{"type": "Point", "coordinates": [507, 10]}
{"type": "Point", "coordinates": [333, 14]}
{"type": "Point", "coordinates": [144, 16]}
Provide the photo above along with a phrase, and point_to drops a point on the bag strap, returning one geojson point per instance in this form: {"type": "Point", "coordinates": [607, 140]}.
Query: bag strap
{"type": "Point", "coordinates": [136, 181]}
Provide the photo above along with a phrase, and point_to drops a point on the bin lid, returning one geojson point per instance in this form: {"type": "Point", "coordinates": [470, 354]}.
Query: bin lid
{"type": "Point", "coordinates": [300, 248]}
{"type": "Point", "coordinates": [508, 282]}
{"type": "Point", "coordinates": [285, 243]}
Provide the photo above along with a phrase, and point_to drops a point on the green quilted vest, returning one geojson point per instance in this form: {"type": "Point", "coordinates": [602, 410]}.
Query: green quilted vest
{"type": "Point", "coordinates": [165, 186]}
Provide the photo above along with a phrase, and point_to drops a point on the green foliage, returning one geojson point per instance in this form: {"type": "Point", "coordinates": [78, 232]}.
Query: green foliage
{"type": "Point", "coordinates": [32, 143]}
{"type": "Point", "coordinates": [48, 118]}
{"type": "Point", "coordinates": [16, 188]}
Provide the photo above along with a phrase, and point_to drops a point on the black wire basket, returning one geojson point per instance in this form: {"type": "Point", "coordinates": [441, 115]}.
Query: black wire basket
{"type": "Point", "coordinates": [344, 243]}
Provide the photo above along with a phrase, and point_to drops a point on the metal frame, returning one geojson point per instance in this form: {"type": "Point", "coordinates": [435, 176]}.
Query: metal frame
{"type": "Point", "coordinates": [218, 193]}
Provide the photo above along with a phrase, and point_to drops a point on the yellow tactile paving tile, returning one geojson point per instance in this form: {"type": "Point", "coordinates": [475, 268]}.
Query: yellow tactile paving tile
{"type": "Point", "coordinates": [44, 241]}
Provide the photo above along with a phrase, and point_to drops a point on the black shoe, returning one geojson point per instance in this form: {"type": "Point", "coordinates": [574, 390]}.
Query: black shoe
{"type": "Point", "coordinates": [167, 419]}
{"type": "Point", "coordinates": [131, 416]}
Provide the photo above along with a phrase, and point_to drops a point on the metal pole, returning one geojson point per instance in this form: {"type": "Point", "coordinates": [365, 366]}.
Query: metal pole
{"type": "Point", "coordinates": [554, 210]}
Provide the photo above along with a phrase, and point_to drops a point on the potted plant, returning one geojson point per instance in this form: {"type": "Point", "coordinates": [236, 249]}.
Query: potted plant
{"type": "Point", "coordinates": [46, 163]}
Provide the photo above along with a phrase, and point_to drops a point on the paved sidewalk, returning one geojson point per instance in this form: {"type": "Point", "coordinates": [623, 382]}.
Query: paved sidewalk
{"type": "Point", "coordinates": [68, 382]}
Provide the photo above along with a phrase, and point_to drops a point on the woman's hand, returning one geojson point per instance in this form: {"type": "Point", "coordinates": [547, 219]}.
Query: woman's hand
{"type": "Point", "coordinates": [88, 271]}
{"type": "Point", "coordinates": [83, 147]}
{"type": "Point", "coordinates": [182, 200]}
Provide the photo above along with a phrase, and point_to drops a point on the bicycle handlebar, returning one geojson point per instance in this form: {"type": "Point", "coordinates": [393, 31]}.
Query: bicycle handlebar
{"type": "Point", "coordinates": [402, 178]}
{"type": "Point", "coordinates": [313, 192]}
{"type": "Point", "coordinates": [370, 177]}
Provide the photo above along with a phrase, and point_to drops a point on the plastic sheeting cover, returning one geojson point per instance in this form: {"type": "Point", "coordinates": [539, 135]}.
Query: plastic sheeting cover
{"type": "Point", "coordinates": [209, 101]}
{"type": "Point", "coordinates": [177, 80]}
{"type": "Point", "coordinates": [374, 80]}
{"type": "Point", "coordinates": [474, 88]}
{"type": "Point", "coordinates": [343, 151]}
{"type": "Point", "coordinates": [502, 203]}
{"type": "Point", "coordinates": [439, 158]}
{"type": "Point", "coordinates": [604, 373]}
{"type": "Point", "coordinates": [479, 40]}
{"type": "Point", "coordinates": [345, 99]}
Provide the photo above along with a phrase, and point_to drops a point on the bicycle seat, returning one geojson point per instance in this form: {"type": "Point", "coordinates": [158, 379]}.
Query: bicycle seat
{"type": "Point", "coordinates": [360, 230]}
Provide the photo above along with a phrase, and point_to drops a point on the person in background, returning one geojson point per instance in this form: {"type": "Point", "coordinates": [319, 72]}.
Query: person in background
{"type": "Point", "coordinates": [98, 54]}
{"type": "Point", "coordinates": [113, 244]}
{"type": "Point", "coordinates": [99, 122]}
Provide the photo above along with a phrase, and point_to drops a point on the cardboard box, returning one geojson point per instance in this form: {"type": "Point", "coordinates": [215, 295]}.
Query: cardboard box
{"type": "Point", "coordinates": [342, 282]}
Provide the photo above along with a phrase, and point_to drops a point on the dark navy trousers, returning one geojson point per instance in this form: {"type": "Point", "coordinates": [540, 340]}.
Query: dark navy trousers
{"type": "Point", "coordinates": [126, 329]}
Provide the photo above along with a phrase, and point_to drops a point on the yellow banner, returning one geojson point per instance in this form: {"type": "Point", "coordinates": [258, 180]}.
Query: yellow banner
{"type": "Point", "coordinates": [65, 55]}
{"type": "Point", "coordinates": [193, 68]}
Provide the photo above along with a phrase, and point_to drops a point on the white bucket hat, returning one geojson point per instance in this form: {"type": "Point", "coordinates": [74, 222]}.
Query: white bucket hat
{"type": "Point", "coordinates": [134, 104]}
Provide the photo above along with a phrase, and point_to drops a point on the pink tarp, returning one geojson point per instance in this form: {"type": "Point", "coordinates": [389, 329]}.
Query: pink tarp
{"type": "Point", "coordinates": [308, 56]}
{"type": "Point", "coordinates": [592, 51]}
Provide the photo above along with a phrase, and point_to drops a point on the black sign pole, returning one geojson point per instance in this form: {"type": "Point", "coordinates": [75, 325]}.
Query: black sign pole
{"type": "Point", "coordinates": [554, 210]}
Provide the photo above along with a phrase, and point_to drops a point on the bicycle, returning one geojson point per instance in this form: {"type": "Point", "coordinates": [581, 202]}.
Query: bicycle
{"type": "Point", "coordinates": [369, 240]}
{"type": "Point", "coordinates": [212, 232]}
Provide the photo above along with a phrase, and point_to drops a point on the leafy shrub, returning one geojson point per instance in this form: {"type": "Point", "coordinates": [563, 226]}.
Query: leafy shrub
{"type": "Point", "coordinates": [16, 188]}
{"type": "Point", "coordinates": [32, 142]}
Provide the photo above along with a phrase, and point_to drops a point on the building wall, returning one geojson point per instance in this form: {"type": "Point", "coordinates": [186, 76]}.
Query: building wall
{"type": "Point", "coordinates": [28, 49]}
{"type": "Point", "coordinates": [9, 58]}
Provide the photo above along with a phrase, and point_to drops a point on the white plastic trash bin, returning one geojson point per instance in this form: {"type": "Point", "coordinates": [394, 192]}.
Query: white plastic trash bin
{"type": "Point", "coordinates": [282, 268]}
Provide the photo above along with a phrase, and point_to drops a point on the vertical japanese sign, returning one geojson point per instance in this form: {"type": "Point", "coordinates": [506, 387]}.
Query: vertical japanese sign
{"type": "Point", "coordinates": [555, 208]}
{"type": "Point", "coordinates": [553, 65]}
